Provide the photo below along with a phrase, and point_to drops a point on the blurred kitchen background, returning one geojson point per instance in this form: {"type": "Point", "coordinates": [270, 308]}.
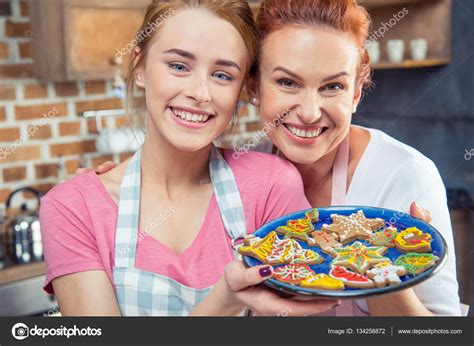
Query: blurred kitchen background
{"type": "Point", "coordinates": [62, 67]}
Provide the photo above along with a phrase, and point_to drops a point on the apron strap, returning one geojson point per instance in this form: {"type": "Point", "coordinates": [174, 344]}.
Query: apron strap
{"type": "Point", "coordinates": [338, 197]}
{"type": "Point", "coordinates": [227, 196]}
{"type": "Point", "coordinates": [225, 190]}
{"type": "Point", "coordinates": [339, 174]}
{"type": "Point", "coordinates": [126, 235]}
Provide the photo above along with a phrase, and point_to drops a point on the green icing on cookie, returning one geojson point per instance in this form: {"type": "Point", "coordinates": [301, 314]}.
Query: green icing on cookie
{"type": "Point", "coordinates": [416, 263]}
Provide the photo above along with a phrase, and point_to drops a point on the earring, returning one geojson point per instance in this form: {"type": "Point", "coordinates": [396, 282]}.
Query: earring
{"type": "Point", "coordinates": [253, 100]}
{"type": "Point", "coordinates": [354, 110]}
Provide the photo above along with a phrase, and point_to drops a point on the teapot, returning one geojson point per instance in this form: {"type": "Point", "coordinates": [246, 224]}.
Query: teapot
{"type": "Point", "coordinates": [22, 231]}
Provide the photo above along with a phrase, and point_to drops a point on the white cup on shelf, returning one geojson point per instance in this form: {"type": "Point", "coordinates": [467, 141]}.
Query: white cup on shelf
{"type": "Point", "coordinates": [395, 50]}
{"type": "Point", "coordinates": [373, 49]}
{"type": "Point", "coordinates": [419, 49]}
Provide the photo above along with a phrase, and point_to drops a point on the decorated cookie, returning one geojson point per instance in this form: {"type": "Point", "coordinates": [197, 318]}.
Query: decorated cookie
{"type": "Point", "coordinates": [384, 238]}
{"type": "Point", "coordinates": [359, 257]}
{"type": "Point", "coordinates": [413, 240]}
{"type": "Point", "coordinates": [313, 215]}
{"type": "Point", "coordinates": [297, 254]}
{"type": "Point", "coordinates": [386, 274]}
{"type": "Point", "coordinates": [269, 250]}
{"type": "Point", "coordinates": [326, 241]}
{"type": "Point", "coordinates": [353, 227]}
{"type": "Point", "coordinates": [350, 278]}
{"type": "Point", "coordinates": [250, 239]}
{"type": "Point", "coordinates": [298, 229]}
{"type": "Point", "coordinates": [273, 250]}
{"type": "Point", "coordinates": [322, 282]}
{"type": "Point", "coordinates": [416, 263]}
{"type": "Point", "coordinates": [292, 273]}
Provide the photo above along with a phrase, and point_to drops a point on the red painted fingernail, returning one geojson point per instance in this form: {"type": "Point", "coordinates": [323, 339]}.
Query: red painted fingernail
{"type": "Point", "coordinates": [265, 271]}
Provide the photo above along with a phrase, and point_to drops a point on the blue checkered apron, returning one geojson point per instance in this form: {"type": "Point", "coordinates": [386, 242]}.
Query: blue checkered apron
{"type": "Point", "coordinates": [142, 293]}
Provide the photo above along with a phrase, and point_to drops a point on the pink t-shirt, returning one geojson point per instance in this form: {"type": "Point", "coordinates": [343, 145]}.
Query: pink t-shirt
{"type": "Point", "coordinates": [78, 222]}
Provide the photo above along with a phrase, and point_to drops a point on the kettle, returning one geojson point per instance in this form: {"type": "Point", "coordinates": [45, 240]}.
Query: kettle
{"type": "Point", "coordinates": [22, 231]}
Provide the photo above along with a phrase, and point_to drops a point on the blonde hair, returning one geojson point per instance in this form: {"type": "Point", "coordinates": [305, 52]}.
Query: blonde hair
{"type": "Point", "coordinates": [236, 12]}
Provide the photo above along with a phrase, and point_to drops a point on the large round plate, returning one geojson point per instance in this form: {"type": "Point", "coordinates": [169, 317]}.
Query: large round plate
{"type": "Point", "coordinates": [398, 219]}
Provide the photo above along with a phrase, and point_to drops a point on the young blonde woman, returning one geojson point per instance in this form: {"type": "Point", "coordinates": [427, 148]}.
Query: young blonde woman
{"type": "Point", "coordinates": [153, 236]}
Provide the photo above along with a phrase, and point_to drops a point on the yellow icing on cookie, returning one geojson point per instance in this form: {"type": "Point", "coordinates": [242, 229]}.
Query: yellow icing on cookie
{"type": "Point", "coordinates": [264, 248]}
{"type": "Point", "coordinates": [412, 238]}
{"type": "Point", "coordinates": [322, 281]}
{"type": "Point", "coordinates": [272, 249]}
{"type": "Point", "coordinates": [299, 226]}
{"type": "Point", "coordinates": [419, 261]}
{"type": "Point", "coordinates": [382, 264]}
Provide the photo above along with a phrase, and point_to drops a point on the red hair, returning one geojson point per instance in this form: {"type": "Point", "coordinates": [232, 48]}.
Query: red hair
{"type": "Point", "coordinates": [342, 15]}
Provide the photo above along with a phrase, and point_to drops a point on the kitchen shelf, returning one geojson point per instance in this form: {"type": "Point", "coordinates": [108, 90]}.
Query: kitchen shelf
{"type": "Point", "coordinates": [21, 272]}
{"type": "Point", "coordinates": [385, 65]}
{"type": "Point", "coordinates": [407, 20]}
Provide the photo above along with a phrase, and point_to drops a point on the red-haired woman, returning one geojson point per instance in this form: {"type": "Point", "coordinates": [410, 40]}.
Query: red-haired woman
{"type": "Point", "coordinates": [313, 62]}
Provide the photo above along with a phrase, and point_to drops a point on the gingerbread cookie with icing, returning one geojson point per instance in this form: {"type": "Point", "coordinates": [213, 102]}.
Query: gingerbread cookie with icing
{"type": "Point", "coordinates": [313, 214]}
{"type": "Point", "coordinates": [359, 257]}
{"type": "Point", "coordinates": [268, 250]}
{"type": "Point", "coordinates": [250, 239]}
{"type": "Point", "coordinates": [322, 282]}
{"type": "Point", "coordinates": [298, 229]}
{"type": "Point", "coordinates": [416, 263]}
{"type": "Point", "coordinates": [297, 254]}
{"type": "Point", "coordinates": [384, 238]}
{"type": "Point", "coordinates": [386, 273]}
{"type": "Point", "coordinates": [292, 273]}
{"type": "Point", "coordinates": [350, 278]}
{"type": "Point", "coordinates": [353, 227]}
{"type": "Point", "coordinates": [413, 240]}
{"type": "Point", "coordinates": [326, 241]}
{"type": "Point", "coordinates": [273, 250]}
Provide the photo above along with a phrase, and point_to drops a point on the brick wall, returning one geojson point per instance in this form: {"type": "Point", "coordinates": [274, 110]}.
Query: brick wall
{"type": "Point", "coordinates": [26, 103]}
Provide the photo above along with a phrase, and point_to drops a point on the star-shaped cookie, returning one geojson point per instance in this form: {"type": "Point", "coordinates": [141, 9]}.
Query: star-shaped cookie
{"type": "Point", "coordinates": [359, 257]}
{"type": "Point", "coordinates": [353, 227]}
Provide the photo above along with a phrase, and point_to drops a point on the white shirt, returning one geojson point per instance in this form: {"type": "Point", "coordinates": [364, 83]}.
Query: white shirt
{"type": "Point", "coordinates": [391, 175]}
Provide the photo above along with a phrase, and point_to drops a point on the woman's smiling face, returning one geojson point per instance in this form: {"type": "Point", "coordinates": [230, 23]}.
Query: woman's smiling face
{"type": "Point", "coordinates": [310, 72]}
{"type": "Point", "coordinates": [192, 77]}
